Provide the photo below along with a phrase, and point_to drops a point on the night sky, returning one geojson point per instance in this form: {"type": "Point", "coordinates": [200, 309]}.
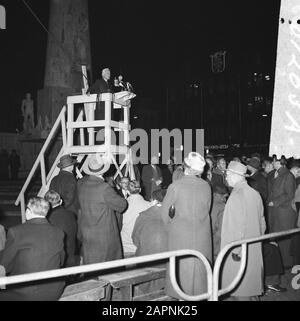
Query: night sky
{"type": "Point", "coordinates": [145, 40]}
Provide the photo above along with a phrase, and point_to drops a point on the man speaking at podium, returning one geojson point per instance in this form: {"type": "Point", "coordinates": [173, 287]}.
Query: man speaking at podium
{"type": "Point", "coordinates": [101, 86]}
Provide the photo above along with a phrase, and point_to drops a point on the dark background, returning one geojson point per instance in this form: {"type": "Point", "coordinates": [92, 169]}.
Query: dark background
{"type": "Point", "coordinates": [161, 47]}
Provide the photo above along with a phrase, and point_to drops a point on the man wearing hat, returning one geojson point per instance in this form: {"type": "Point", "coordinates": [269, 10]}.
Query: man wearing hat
{"type": "Point", "coordinates": [243, 218]}
{"type": "Point", "coordinates": [188, 227]}
{"type": "Point", "coordinates": [65, 184]}
{"type": "Point", "coordinates": [97, 222]}
{"type": "Point", "coordinates": [256, 179]}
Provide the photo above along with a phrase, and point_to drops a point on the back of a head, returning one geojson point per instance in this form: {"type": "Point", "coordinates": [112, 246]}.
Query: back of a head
{"type": "Point", "coordinates": [52, 197]}
{"type": "Point", "coordinates": [38, 206]}
{"type": "Point", "coordinates": [159, 195]}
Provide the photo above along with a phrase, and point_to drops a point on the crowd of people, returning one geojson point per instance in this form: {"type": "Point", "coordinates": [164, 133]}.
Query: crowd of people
{"type": "Point", "coordinates": [203, 204]}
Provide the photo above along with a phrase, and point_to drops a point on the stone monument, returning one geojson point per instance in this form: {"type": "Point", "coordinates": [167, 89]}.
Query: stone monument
{"type": "Point", "coordinates": [67, 50]}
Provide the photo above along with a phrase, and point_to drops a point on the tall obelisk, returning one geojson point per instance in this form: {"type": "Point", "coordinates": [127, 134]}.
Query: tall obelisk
{"type": "Point", "coordinates": [68, 49]}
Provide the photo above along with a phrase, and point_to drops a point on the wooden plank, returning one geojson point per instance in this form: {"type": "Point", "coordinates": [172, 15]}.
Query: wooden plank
{"type": "Point", "coordinates": [150, 296]}
{"type": "Point", "coordinates": [80, 99]}
{"type": "Point", "coordinates": [126, 278]}
{"type": "Point", "coordinates": [91, 290]}
{"type": "Point", "coordinates": [86, 124]}
{"type": "Point", "coordinates": [96, 149]}
{"type": "Point", "coordinates": [165, 298]}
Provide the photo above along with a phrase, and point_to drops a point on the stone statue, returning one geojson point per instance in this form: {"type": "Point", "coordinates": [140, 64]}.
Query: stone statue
{"type": "Point", "coordinates": [28, 113]}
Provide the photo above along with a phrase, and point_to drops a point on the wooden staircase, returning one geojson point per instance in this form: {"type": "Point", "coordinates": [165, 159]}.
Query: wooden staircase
{"type": "Point", "coordinates": [83, 145]}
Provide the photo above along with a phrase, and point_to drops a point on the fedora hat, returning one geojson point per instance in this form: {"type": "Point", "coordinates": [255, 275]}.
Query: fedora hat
{"type": "Point", "coordinates": [237, 168]}
{"type": "Point", "coordinates": [65, 161]}
{"type": "Point", "coordinates": [96, 165]}
{"type": "Point", "coordinates": [195, 161]}
{"type": "Point", "coordinates": [254, 162]}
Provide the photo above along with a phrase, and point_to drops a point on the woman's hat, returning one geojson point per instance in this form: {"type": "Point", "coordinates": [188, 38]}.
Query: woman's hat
{"type": "Point", "coordinates": [66, 161]}
{"type": "Point", "coordinates": [237, 168]}
{"type": "Point", "coordinates": [195, 161]}
{"type": "Point", "coordinates": [96, 165]}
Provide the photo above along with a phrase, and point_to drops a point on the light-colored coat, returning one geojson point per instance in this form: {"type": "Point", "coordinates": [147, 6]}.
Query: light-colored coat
{"type": "Point", "coordinates": [189, 229]}
{"type": "Point", "coordinates": [136, 205]}
{"type": "Point", "coordinates": [243, 218]}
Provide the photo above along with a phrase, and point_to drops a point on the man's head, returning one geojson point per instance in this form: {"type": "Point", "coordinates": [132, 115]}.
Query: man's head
{"type": "Point", "coordinates": [159, 195]}
{"type": "Point", "coordinates": [221, 164]}
{"type": "Point", "coordinates": [106, 74]}
{"type": "Point", "coordinates": [279, 162]}
{"type": "Point", "coordinates": [28, 96]}
{"type": "Point", "coordinates": [253, 165]}
{"type": "Point", "coordinates": [267, 165]}
{"type": "Point", "coordinates": [134, 187]}
{"type": "Point", "coordinates": [53, 198]}
{"type": "Point", "coordinates": [194, 164]}
{"type": "Point", "coordinates": [124, 182]}
{"type": "Point", "coordinates": [235, 173]}
{"type": "Point", "coordinates": [66, 163]}
{"type": "Point", "coordinates": [37, 207]}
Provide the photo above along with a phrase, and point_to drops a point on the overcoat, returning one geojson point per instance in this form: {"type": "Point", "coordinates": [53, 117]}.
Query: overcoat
{"type": "Point", "coordinates": [34, 246]}
{"type": "Point", "coordinates": [190, 228]}
{"type": "Point", "coordinates": [149, 178]}
{"type": "Point", "coordinates": [65, 185]}
{"type": "Point", "coordinates": [97, 221]}
{"type": "Point", "coordinates": [67, 222]}
{"type": "Point", "coordinates": [243, 218]}
{"type": "Point", "coordinates": [282, 216]}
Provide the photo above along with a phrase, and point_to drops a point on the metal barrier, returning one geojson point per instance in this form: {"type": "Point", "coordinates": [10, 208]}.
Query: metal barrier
{"type": "Point", "coordinates": [216, 271]}
{"type": "Point", "coordinates": [213, 291]}
{"type": "Point", "coordinates": [118, 263]}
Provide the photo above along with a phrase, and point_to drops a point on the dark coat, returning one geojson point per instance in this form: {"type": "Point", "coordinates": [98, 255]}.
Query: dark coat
{"type": "Point", "coordinates": [66, 221]}
{"type": "Point", "coordinates": [281, 191]}
{"type": "Point", "coordinates": [189, 229]}
{"type": "Point", "coordinates": [119, 215]}
{"type": "Point", "coordinates": [216, 215]}
{"type": "Point", "coordinates": [65, 185]}
{"type": "Point", "coordinates": [149, 234]}
{"type": "Point", "coordinates": [33, 247]}
{"type": "Point", "coordinates": [259, 182]}
{"type": "Point", "coordinates": [167, 176]}
{"type": "Point", "coordinates": [97, 221]}
{"type": "Point", "coordinates": [149, 178]}
{"type": "Point", "coordinates": [218, 179]}
{"type": "Point", "coordinates": [282, 216]}
{"type": "Point", "coordinates": [100, 87]}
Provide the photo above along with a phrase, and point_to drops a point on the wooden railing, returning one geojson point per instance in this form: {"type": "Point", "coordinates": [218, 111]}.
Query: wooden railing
{"type": "Point", "coordinates": [40, 161]}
